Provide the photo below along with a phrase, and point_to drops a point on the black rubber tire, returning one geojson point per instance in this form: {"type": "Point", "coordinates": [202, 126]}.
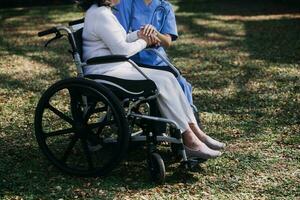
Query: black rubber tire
{"type": "Point", "coordinates": [118, 120]}
{"type": "Point", "coordinates": [156, 168]}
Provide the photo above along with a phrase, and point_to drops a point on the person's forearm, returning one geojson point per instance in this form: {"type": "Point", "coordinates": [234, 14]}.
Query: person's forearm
{"type": "Point", "coordinates": [166, 39]}
{"type": "Point", "coordinates": [132, 37]}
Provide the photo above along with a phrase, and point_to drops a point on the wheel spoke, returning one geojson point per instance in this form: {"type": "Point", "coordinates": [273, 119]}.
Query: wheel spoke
{"type": "Point", "coordinates": [75, 100]}
{"type": "Point", "coordinates": [69, 148]}
{"type": "Point", "coordinates": [87, 153]}
{"type": "Point", "coordinates": [92, 110]}
{"type": "Point", "coordinates": [89, 112]}
{"type": "Point", "coordinates": [60, 114]}
{"type": "Point", "coordinates": [60, 132]}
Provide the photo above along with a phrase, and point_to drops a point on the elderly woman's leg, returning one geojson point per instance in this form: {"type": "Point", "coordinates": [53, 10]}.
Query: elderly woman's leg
{"type": "Point", "coordinates": [172, 104]}
{"type": "Point", "coordinates": [210, 142]}
{"type": "Point", "coordinates": [195, 148]}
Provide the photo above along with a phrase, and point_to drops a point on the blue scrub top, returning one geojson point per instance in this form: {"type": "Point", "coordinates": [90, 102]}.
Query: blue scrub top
{"type": "Point", "coordinates": [133, 14]}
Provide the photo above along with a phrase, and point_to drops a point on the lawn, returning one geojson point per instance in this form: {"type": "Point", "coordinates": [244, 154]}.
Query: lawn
{"type": "Point", "coordinates": [243, 59]}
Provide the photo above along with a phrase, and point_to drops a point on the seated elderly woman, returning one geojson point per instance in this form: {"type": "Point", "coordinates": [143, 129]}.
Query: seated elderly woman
{"type": "Point", "coordinates": [103, 35]}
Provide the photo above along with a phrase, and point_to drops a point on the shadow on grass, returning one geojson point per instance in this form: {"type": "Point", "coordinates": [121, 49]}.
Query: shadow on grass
{"type": "Point", "coordinates": [11, 83]}
{"type": "Point", "coordinates": [14, 41]}
{"type": "Point", "coordinates": [24, 162]}
{"type": "Point", "coordinates": [275, 40]}
{"type": "Point", "coordinates": [241, 8]}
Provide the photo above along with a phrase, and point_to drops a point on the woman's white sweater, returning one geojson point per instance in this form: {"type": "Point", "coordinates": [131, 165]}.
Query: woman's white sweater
{"type": "Point", "coordinates": [106, 36]}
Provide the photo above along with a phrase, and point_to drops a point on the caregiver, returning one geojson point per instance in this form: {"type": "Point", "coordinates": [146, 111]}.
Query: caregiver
{"type": "Point", "coordinates": [153, 16]}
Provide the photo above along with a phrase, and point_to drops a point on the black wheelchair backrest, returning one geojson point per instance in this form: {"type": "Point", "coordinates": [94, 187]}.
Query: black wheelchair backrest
{"type": "Point", "coordinates": [77, 35]}
{"type": "Point", "coordinates": [77, 44]}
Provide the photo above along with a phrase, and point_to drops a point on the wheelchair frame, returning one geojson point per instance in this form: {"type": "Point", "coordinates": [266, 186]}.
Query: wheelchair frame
{"type": "Point", "coordinates": [149, 132]}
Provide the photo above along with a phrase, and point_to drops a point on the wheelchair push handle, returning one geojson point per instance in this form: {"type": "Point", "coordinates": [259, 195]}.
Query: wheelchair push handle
{"type": "Point", "coordinates": [56, 30]}
{"type": "Point", "coordinates": [76, 22]}
{"type": "Point", "coordinates": [47, 32]}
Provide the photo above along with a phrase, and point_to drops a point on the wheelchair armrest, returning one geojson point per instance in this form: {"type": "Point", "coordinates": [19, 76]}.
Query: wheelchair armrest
{"type": "Point", "coordinates": [174, 70]}
{"type": "Point", "coordinates": [114, 59]}
{"type": "Point", "coordinates": [106, 59]}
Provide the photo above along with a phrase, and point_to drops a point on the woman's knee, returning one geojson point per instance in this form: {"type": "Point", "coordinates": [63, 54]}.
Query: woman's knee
{"type": "Point", "coordinates": [164, 80]}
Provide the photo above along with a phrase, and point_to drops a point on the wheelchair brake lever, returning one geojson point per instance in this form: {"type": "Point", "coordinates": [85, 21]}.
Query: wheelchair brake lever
{"type": "Point", "coordinates": [57, 36]}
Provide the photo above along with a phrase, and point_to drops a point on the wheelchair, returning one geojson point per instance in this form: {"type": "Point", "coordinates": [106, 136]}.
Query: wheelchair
{"type": "Point", "coordinates": [85, 124]}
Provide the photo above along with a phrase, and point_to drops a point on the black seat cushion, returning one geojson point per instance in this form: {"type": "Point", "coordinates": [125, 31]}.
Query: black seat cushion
{"type": "Point", "coordinates": [123, 88]}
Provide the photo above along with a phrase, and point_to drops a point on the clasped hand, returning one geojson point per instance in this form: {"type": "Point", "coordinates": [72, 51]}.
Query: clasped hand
{"type": "Point", "coordinates": [150, 35]}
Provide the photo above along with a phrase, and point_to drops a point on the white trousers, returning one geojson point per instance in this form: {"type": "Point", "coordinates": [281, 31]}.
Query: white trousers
{"type": "Point", "coordinates": [172, 102]}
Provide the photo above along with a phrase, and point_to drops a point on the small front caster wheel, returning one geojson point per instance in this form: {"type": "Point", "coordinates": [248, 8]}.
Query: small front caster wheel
{"type": "Point", "coordinates": [157, 168]}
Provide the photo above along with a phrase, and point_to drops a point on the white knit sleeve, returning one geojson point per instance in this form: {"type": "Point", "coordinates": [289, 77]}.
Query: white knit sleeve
{"type": "Point", "coordinates": [111, 33]}
{"type": "Point", "coordinates": [132, 37]}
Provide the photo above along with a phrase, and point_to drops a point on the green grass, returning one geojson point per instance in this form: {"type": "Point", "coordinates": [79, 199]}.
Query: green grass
{"type": "Point", "coordinates": [243, 59]}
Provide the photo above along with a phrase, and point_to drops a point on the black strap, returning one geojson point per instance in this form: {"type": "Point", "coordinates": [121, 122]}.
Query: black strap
{"type": "Point", "coordinates": [75, 22]}
{"type": "Point", "coordinates": [107, 59]}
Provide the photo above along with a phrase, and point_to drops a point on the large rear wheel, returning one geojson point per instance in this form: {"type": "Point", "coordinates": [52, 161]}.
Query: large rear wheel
{"type": "Point", "coordinates": [81, 127]}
